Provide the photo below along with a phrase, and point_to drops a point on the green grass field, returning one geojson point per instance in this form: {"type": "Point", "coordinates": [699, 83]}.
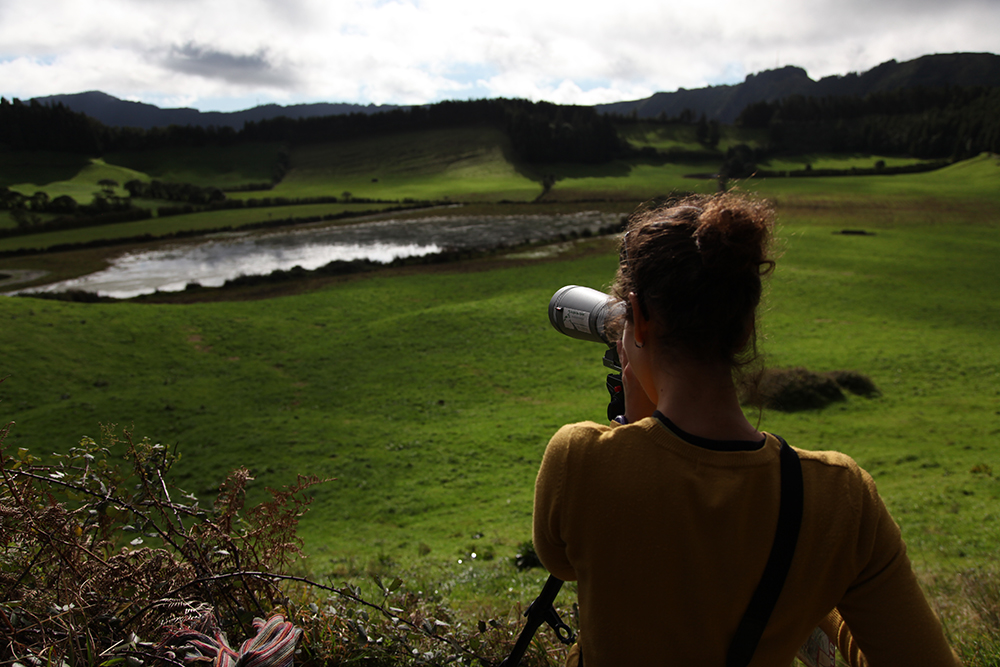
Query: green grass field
{"type": "Point", "coordinates": [218, 166]}
{"type": "Point", "coordinates": [665, 138]}
{"type": "Point", "coordinates": [84, 183]}
{"type": "Point", "coordinates": [473, 165]}
{"type": "Point", "coordinates": [968, 184]}
{"type": "Point", "coordinates": [466, 164]}
{"type": "Point", "coordinates": [682, 137]}
{"type": "Point", "coordinates": [430, 396]}
{"type": "Point", "coordinates": [427, 395]}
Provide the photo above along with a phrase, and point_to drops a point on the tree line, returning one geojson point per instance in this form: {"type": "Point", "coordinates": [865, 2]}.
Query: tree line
{"type": "Point", "coordinates": [538, 131]}
{"type": "Point", "coordinates": [923, 122]}
{"type": "Point", "coordinates": [105, 208]}
{"type": "Point", "coordinates": [930, 123]}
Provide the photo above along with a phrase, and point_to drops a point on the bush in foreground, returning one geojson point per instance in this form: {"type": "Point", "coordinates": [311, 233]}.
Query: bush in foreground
{"type": "Point", "coordinates": [104, 563]}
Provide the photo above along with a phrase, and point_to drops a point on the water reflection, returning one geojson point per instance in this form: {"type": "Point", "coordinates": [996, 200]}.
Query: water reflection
{"type": "Point", "coordinates": [218, 259]}
{"type": "Point", "coordinates": [211, 264]}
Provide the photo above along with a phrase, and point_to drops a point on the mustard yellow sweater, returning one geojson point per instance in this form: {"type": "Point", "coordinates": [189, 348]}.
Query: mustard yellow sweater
{"type": "Point", "coordinates": [668, 541]}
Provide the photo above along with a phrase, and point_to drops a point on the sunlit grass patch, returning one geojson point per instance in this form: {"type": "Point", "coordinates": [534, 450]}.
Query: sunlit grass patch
{"type": "Point", "coordinates": [458, 164]}
{"type": "Point", "coordinates": [82, 185]}
{"type": "Point", "coordinates": [629, 180]}
{"type": "Point", "coordinates": [846, 162]}
{"type": "Point", "coordinates": [961, 184]}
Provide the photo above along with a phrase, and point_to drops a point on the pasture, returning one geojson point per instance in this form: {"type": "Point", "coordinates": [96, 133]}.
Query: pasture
{"type": "Point", "coordinates": [465, 164]}
{"type": "Point", "coordinates": [218, 166]}
{"type": "Point", "coordinates": [426, 395]}
{"type": "Point", "coordinates": [429, 396]}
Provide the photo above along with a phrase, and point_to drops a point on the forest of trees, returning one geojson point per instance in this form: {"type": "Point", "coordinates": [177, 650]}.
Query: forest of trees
{"type": "Point", "coordinates": [929, 123]}
{"type": "Point", "coordinates": [36, 126]}
{"type": "Point", "coordinates": [538, 132]}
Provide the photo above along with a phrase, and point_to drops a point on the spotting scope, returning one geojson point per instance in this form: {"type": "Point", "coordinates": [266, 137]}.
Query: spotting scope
{"type": "Point", "coordinates": [584, 313]}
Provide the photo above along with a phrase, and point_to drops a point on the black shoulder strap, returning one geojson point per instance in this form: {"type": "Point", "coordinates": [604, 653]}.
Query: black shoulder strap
{"type": "Point", "coordinates": [758, 612]}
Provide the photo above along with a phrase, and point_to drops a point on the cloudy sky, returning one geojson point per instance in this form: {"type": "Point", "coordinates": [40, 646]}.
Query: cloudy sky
{"type": "Point", "coordinates": [226, 55]}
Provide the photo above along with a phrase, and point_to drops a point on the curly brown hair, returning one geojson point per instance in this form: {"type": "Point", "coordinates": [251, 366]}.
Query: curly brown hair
{"type": "Point", "coordinates": [696, 265]}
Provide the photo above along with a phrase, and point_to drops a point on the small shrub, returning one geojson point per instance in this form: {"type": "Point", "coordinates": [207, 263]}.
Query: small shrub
{"type": "Point", "coordinates": [120, 554]}
{"type": "Point", "coordinates": [793, 389]}
{"type": "Point", "coordinates": [526, 557]}
{"type": "Point", "coordinates": [856, 383]}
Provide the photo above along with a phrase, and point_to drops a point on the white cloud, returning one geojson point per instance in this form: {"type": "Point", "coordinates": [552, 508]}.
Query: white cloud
{"type": "Point", "coordinates": [413, 51]}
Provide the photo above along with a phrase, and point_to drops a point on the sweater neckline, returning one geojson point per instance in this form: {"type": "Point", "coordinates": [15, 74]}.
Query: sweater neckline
{"type": "Point", "coordinates": [708, 443]}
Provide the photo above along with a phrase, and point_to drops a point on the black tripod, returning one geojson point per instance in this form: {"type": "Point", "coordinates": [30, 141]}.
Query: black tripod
{"type": "Point", "coordinates": [542, 610]}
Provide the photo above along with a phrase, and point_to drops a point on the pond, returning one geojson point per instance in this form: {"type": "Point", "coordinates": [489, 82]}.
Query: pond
{"type": "Point", "coordinates": [226, 256]}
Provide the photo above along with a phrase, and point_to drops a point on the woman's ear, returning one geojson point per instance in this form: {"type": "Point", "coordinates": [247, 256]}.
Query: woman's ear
{"type": "Point", "coordinates": [640, 325]}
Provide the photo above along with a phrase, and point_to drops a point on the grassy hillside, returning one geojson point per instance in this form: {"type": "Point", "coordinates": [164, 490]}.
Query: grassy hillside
{"type": "Point", "coordinates": [218, 166]}
{"type": "Point", "coordinates": [427, 396]}
{"type": "Point", "coordinates": [81, 185]}
{"type": "Point", "coordinates": [969, 183]}
{"type": "Point", "coordinates": [683, 137]}
{"type": "Point", "coordinates": [465, 164]}
{"type": "Point", "coordinates": [430, 396]}
{"type": "Point", "coordinates": [461, 164]}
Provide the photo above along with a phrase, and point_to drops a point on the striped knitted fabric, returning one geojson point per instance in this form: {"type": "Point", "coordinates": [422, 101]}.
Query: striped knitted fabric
{"type": "Point", "coordinates": [215, 648]}
{"type": "Point", "coordinates": [272, 646]}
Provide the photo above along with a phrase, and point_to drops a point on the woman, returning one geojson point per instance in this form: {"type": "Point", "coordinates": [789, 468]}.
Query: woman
{"type": "Point", "coordinates": [667, 521]}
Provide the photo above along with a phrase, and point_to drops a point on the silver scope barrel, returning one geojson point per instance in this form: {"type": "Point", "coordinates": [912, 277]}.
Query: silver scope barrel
{"type": "Point", "coordinates": [582, 312]}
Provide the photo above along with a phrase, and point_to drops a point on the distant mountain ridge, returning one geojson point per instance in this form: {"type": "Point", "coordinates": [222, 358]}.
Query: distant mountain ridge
{"type": "Point", "coordinates": [723, 103]}
{"type": "Point", "coordinates": [115, 112]}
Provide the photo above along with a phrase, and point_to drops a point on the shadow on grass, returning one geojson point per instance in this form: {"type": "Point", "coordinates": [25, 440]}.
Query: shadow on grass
{"type": "Point", "coordinates": [39, 167]}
